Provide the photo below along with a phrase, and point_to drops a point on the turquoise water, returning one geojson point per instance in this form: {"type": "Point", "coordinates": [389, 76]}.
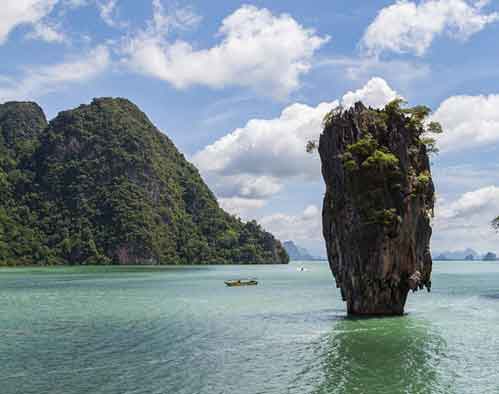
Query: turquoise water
{"type": "Point", "coordinates": [181, 331]}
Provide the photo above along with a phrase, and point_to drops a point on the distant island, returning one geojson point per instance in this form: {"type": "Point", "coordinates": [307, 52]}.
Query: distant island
{"type": "Point", "coordinates": [100, 184]}
{"type": "Point", "coordinates": [296, 252]}
{"type": "Point", "coordinates": [490, 257]}
{"type": "Point", "coordinates": [465, 255]}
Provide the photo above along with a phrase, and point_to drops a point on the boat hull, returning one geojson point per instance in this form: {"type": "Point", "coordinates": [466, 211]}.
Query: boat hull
{"type": "Point", "coordinates": [239, 283]}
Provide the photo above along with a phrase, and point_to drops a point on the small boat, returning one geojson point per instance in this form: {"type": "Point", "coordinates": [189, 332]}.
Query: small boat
{"type": "Point", "coordinates": [241, 282]}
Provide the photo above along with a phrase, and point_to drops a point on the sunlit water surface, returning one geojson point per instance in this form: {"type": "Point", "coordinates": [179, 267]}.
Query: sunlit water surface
{"type": "Point", "coordinates": [181, 331]}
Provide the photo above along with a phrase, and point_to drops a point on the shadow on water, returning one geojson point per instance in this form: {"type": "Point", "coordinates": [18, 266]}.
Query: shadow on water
{"type": "Point", "coordinates": [383, 355]}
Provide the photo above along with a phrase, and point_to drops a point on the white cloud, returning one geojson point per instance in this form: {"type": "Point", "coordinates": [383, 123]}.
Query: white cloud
{"type": "Point", "coordinates": [245, 185]}
{"type": "Point", "coordinates": [468, 121]}
{"type": "Point", "coordinates": [268, 146]}
{"type": "Point", "coordinates": [175, 18]}
{"type": "Point", "coordinates": [40, 80]}
{"type": "Point", "coordinates": [255, 160]}
{"type": "Point", "coordinates": [465, 221]}
{"type": "Point", "coordinates": [17, 12]}
{"type": "Point", "coordinates": [376, 93]}
{"type": "Point", "coordinates": [409, 27]}
{"type": "Point", "coordinates": [46, 32]}
{"type": "Point", "coordinates": [39, 15]}
{"type": "Point", "coordinates": [471, 204]}
{"type": "Point", "coordinates": [106, 11]}
{"type": "Point", "coordinates": [305, 226]}
{"type": "Point", "coordinates": [259, 50]}
{"type": "Point", "coordinates": [240, 206]}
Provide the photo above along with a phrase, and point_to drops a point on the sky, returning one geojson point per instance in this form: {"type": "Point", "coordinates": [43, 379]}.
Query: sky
{"type": "Point", "coordinates": [240, 87]}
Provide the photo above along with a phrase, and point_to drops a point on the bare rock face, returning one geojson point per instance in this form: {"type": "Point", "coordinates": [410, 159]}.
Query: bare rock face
{"type": "Point", "coordinates": [377, 207]}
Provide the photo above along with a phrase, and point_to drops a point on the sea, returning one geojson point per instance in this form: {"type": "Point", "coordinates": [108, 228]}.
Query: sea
{"type": "Point", "coordinates": [180, 330]}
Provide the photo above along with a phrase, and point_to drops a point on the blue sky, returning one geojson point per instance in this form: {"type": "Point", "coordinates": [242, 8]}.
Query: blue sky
{"type": "Point", "coordinates": [241, 86]}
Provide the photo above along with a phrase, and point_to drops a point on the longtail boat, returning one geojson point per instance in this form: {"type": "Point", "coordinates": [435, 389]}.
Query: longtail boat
{"type": "Point", "coordinates": [241, 282]}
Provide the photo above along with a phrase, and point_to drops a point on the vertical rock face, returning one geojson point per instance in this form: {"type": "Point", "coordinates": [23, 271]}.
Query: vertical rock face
{"type": "Point", "coordinates": [377, 207]}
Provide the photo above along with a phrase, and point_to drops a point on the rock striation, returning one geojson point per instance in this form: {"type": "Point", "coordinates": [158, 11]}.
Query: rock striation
{"type": "Point", "coordinates": [377, 207]}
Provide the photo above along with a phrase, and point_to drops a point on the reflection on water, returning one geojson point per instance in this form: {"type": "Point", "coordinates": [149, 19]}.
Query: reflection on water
{"type": "Point", "coordinates": [391, 355]}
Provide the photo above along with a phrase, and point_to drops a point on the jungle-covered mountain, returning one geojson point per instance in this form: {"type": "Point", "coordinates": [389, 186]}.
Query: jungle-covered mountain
{"type": "Point", "coordinates": [100, 184]}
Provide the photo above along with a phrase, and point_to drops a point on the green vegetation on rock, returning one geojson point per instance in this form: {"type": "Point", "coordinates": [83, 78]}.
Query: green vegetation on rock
{"type": "Point", "coordinates": [101, 185]}
{"type": "Point", "coordinates": [373, 164]}
{"type": "Point", "coordinates": [495, 224]}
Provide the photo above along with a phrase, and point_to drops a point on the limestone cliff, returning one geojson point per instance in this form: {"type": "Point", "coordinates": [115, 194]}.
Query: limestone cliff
{"type": "Point", "coordinates": [100, 184]}
{"type": "Point", "coordinates": [377, 206]}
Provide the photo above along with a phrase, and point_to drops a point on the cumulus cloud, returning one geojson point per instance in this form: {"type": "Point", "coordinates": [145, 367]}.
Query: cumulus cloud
{"type": "Point", "coordinates": [268, 146]}
{"type": "Point", "coordinates": [15, 13]}
{"type": "Point", "coordinates": [466, 220]}
{"type": "Point", "coordinates": [409, 27]}
{"type": "Point", "coordinates": [304, 226]}
{"type": "Point", "coordinates": [253, 161]}
{"type": "Point", "coordinates": [240, 206]}
{"type": "Point", "coordinates": [471, 204]}
{"type": "Point", "coordinates": [376, 93]}
{"type": "Point", "coordinates": [40, 80]}
{"type": "Point", "coordinates": [263, 153]}
{"type": "Point", "coordinates": [245, 185]}
{"type": "Point", "coordinates": [257, 49]}
{"type": "Point", "coordinates": [468, 121]}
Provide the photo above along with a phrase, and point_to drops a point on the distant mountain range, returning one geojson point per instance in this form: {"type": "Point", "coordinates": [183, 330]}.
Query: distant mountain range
{"type": "Point", "coordinates": [466, 254]}
{"type": "Point", "coordinates": [296, 252]}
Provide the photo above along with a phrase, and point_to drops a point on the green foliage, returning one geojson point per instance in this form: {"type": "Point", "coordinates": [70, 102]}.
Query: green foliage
{"type": "Point", "coordinates": [311, 146]}
{"type": "Point", "coordinates": [101, 185]}
{"type": "Point", "coordinates": [364, 147]}
{"type": "Point", "coordinates": [424, 178]}
{"type": "Point", "coordinates": [350, 165]}
{"type": "Point", "coordinates": [367, 154]}
{"type": "Point", "coordinates": [431, 144]}
{"type": "Point", "coordinates": [495, 224]}
{"type": "Point", "coordinates": [417, 121]}
{"type": "Point", "coordinates": [384, 217]}
{"type": "Point", "coordinates": [394, 107]}
{"type": "Point", "coordinates": [434, 128]}
{"type": "Point", "coordinates": [418, 113]}
{"type": "Point", "coordinates": [329, 117]}
{"type": "Point", "coordinates": [380, 159]}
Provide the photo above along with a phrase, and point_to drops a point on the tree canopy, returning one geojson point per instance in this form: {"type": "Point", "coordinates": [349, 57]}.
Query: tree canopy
{"type": "Point", "coordinates": [101, 185]}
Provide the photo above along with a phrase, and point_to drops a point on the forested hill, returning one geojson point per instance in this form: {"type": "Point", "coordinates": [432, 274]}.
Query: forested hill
{"type": "Point", "coordinates": [101, 185]}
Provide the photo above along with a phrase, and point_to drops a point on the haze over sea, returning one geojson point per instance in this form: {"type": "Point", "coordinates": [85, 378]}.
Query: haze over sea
{"type": "Point", "coordinates": [179, 330]}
